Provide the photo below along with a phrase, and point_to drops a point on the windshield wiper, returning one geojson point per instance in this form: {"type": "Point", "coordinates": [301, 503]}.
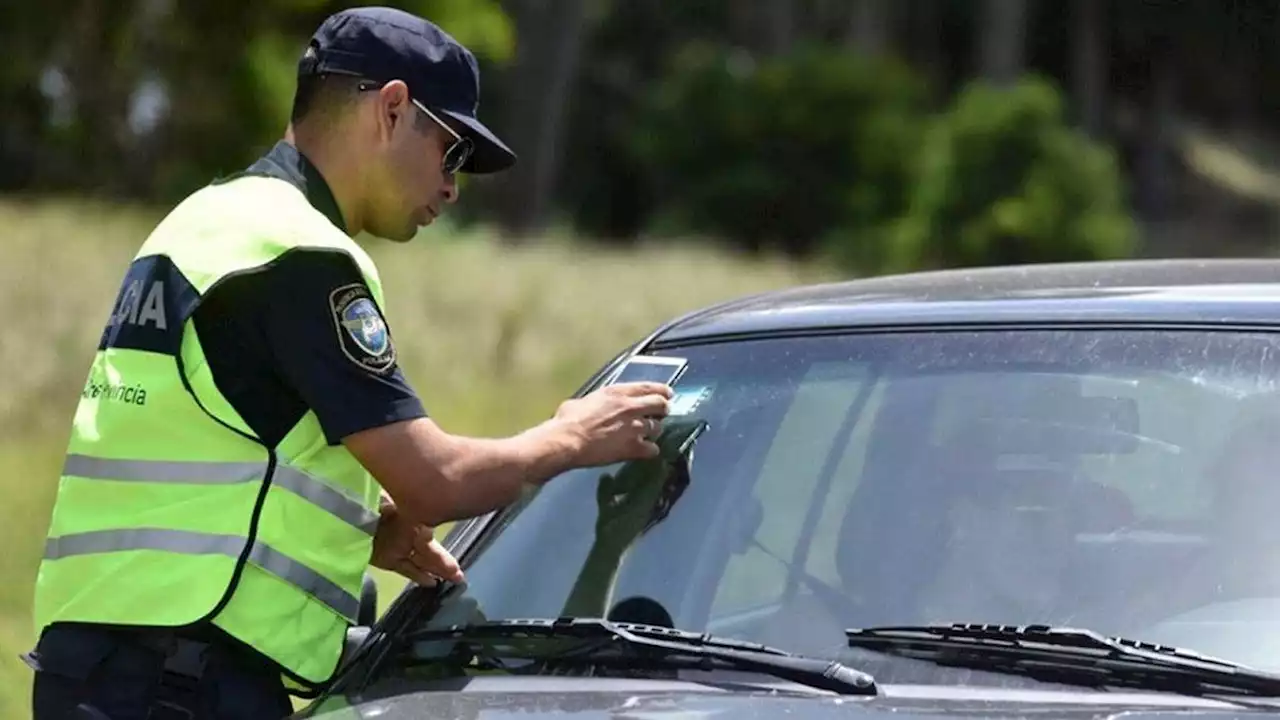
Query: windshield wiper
{"type": "Point", "coordinates": [595, 641]}
{"type": "Point", "coordinates": [1069, 655]}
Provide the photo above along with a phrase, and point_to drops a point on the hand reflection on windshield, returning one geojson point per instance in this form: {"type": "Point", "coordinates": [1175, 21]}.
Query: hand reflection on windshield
{"type": "Point", "coordinates": [629, 503]}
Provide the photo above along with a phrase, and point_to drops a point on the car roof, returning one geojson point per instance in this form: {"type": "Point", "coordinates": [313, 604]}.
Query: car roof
{"type": "Point", "coordinates": [1238, 291]}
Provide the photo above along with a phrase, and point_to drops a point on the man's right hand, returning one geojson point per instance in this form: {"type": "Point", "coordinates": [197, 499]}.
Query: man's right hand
{"type": "Point", "coordinates": [616, 423]}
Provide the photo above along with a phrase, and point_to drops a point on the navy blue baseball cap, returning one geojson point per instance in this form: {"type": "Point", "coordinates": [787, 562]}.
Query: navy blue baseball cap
{"type": "Point", "coordinates": [384, 44]}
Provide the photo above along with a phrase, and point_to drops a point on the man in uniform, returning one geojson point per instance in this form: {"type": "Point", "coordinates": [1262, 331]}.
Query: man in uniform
{"type": "Point", "coordinates": [246, 444]}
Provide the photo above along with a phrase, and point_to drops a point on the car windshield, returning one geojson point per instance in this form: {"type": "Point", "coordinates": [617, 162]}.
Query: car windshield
{"type": "Point", "coordinates": [1122, 480]}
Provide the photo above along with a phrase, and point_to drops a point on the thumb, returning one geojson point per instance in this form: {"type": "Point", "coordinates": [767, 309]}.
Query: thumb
{"type": "Point", "coordinates": [434, 558]}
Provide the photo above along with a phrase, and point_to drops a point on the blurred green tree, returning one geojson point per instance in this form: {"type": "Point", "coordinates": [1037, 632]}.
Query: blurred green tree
{"type": "Point", "coordinates": [775, 153]}
{"type": "Point", "coordinates": [1004, 179]}
{"type": "Point", "coordinates": [218, 73]}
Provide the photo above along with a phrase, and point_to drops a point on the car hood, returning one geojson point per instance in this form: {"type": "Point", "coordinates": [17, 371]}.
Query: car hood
{"type": "Point", "coordinates": [500, 698]}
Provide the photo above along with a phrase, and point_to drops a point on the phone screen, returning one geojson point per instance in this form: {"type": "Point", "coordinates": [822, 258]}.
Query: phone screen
{"type": "Point", "coordinates": [640, 371]}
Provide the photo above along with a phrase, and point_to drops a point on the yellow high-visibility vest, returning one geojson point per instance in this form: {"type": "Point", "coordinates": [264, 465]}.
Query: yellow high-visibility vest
{"type": "Point", "coordinates": [169, 509]}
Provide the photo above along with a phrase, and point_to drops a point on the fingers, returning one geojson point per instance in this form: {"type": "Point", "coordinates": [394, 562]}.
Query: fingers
{"type": "Point", "coordinates": [417, 574]}
{"type": "Point", "coordinates": [632, 409]}
{"type": "Point", "coordinates": [639, 389]}
{"type": "Point", "coordinates": [651, 406]}
{"type": "Point", "coordinates": [641, 398]}
{"type": "Point", "coordinates": [620, 421]}
{"type": "Point", "coordinates": [646, 428]}
{"type": "Point", "coordinates": [646, 431]}
{"type": "Point", "coordinates": [430, 557]}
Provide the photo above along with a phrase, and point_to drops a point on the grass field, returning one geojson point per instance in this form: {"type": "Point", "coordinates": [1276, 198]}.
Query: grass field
{"type": "Point", "coordinates": [491, 337]}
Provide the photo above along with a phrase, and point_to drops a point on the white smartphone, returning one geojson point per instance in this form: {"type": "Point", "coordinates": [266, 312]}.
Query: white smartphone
{"type": "Point", "coordinates": [650, 368]}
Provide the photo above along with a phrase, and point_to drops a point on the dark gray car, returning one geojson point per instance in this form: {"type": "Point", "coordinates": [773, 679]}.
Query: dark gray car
{"type": "Point", "coordinates": [1041, 491]}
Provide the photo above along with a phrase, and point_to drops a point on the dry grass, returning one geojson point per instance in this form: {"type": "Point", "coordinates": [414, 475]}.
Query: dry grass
{"type": "Point", "coordinates": [491, 337]}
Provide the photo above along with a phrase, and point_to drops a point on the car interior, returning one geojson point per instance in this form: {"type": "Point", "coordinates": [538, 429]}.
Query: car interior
{"type": "Point", "coordinates": [897, 549]}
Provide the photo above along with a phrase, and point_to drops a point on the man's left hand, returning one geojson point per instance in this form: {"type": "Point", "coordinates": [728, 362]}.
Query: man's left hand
{"type": "Point", "coordinates": [411, 550]}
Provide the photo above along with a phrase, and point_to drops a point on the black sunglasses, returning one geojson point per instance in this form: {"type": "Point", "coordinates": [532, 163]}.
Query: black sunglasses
{"type": "Point", "coordinates": [458, 152]}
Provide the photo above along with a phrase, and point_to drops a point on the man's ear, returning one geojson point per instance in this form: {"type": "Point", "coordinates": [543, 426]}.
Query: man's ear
{"type": "Point", "coordinates": [393, 101]}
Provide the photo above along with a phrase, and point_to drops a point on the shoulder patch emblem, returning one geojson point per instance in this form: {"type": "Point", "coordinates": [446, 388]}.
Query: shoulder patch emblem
{"type": "Point", "coordinates": [362, 331]}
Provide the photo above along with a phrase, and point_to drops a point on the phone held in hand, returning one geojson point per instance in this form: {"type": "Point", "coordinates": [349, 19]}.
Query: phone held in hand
{"type": "Point", "coordinates": [650, 368]}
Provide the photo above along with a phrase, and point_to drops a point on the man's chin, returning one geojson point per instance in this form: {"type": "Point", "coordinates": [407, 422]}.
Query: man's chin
{"type": "Point", "coordinates": [403, 235]}
{"type": "Point", "coordinates": [412, 234]}
{"type": "Point", "coordinates": [417, 226]}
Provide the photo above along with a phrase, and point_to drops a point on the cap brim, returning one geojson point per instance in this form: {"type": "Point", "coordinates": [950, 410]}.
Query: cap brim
{"type": "Point", "coordinates": [491, 154]}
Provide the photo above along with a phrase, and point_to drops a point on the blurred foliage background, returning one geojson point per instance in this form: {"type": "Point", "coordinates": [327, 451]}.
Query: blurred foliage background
{"type": "Point", "coordinates": [877, 134]}
{"type": "Point", "coordinates": [672, 154]}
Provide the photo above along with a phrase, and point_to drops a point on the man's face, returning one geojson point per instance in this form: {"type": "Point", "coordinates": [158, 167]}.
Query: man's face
{"type": "Point", "coordinates": [410, 185]}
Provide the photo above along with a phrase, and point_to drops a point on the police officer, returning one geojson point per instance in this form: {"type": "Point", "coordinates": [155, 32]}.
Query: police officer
{"type": "Point", "coordinates": [246, 444]}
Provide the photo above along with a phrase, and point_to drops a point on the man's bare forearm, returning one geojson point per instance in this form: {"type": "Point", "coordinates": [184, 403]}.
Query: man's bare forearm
{"type": "Point", "coordinates": [436, 477]}
{"type": "Point", "coordinates": [488, 474]}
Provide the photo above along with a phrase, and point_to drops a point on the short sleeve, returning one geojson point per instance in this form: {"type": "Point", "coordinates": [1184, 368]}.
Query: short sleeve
{"type": "Point", "coordinates": [332, 344]}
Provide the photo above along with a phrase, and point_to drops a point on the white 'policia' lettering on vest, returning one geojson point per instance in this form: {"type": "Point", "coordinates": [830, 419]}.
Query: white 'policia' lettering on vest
{"type": "Point", "coordinates": [134, 309]}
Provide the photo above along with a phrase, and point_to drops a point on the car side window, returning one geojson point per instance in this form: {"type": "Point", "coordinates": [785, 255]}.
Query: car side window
{"type": "Point", "coordinates": [787, 488]}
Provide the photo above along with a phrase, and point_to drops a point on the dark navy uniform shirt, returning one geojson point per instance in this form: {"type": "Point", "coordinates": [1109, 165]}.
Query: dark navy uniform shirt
{"type": "Point", "coordinates": [275, 341]}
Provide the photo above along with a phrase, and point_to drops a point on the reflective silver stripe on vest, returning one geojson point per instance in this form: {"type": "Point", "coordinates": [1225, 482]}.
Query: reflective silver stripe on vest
{"type": "Point", "coordinates": [192, 543]}
{"type": "Point", "coordinates": [288, 478]}
{"type": "Point", "coordinates": [323, 496]}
